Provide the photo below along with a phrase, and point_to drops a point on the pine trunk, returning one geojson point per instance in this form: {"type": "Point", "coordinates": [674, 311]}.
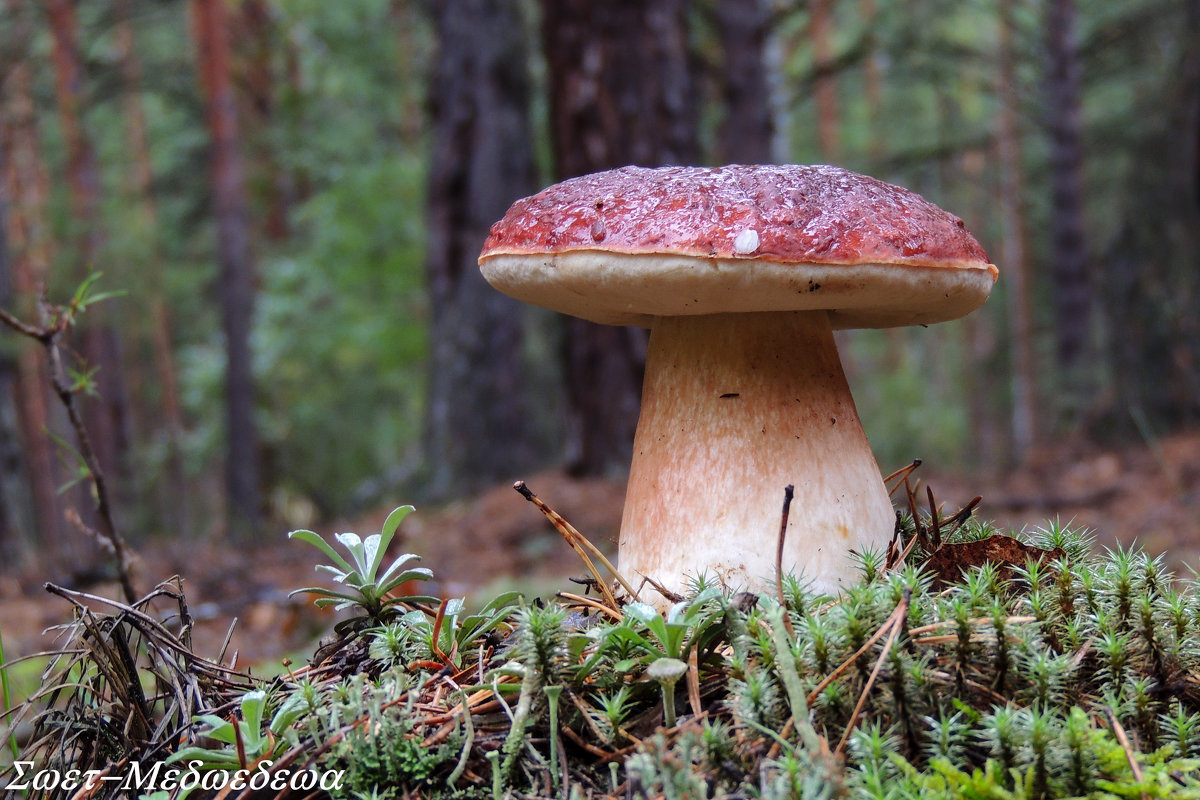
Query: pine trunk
{"type": "Point", "coordinates": [107, 416]}
{"type": "Point", "coordinates": [479, 424]}
{"type": "Point", "coordinates": [236, 291]}
{"type": "Point", "coordinates": [821, 33]}
{"type": "Point", "coordinates": [873, 81]}
{"type": "Point", "coordinates": [746, 133]}
{"type": "Point", "coordinates": [620, 93]}
{"type": "Point", "coordinates": [257, 47]}
{"type": "Point", "coordinates": [1014, 248]}
{"type": "Point", "coordinates": [1072, 290]}
{"type": "Point", "coordinates": [1192, 95]}
{"type": "Point", "coordinates": [30, 253]}
{"type": "Point", "coordinates": [142, 191]}
{"type": "Point", "coordinates": [16, 510]}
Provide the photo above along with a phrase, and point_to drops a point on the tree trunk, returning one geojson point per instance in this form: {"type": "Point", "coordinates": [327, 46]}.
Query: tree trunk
{"type": "Point", "coordinates": [478, 425]}
{"type": "Point", "coordinates": [30, 254]}
{"type": "Point", "coordinates": [1072, 291]}
{"type": "Point", "coordinates": [16, 520]}
{"type": "Point", "coordinates": [873, 81]}
{"type": "Point", "coordinates": [821, 33]}
{"type": "Point", "coordinates": [1014, 249]}
{"type": "Point", "coordinates": [620, 93]}
{"type": "Point", "coordinates": [106, 417]}
{"type": "Point", "coordinates": [257, 46]}
{"type": "Point", "coordinates": [142, 191]}
{"type": "Point", "coordinates": [1192, 118]}
{"type": "Point", "coordinates": [82, 174]}
{"type": "Point", "coordinates": [746, 134]}
{"type": "Point", "coordinates": [237, 274]}
{"type": "Point", "coordinates": [1151, 288]}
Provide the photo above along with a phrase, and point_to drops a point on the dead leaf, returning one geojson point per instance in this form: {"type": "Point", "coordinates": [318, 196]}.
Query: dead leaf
{"type": "Point", "coordinates": [950, 561]}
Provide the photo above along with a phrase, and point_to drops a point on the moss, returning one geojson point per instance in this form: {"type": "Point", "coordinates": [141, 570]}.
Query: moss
{"type": "Point", "coordinates": [1069, 677]}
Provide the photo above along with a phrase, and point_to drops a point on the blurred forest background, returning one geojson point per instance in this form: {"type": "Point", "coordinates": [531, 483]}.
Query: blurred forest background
{"type": "Point", "coordinates": [291, 195]}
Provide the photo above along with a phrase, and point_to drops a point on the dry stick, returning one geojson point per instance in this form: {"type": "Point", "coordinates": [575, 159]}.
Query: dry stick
{"type": "Point", "coordinates": [590, 603]}
{"type": "Point", "coordinates": [788, 492]}
{"type": "Point", "coordinates": [887, 626]}
{"type": "Point", "coordinates": [437, 632]}
{"type": "Point", "coordinates": [578, 537]}
{"type": "Point", "coordinates": [48, 337]}
{"type": "Point", "coordinates": [901, 473]}
{"type": "Point", "coordinates": [934, 518]}
{"type": "Point", "coordinates": [908, 548]}
{"type": "Point", "coordinates": [973, 622]}
{"type": "Point", "coordinates": [963, 515]}
{"type": "Point", "coordinates": [693, 683]}
{"type": "Point", "coordinates": [469, 731]}
{"type": "Point", "coordinates": [578, 542]}
{"type": "Point", "coordinates": [586, 712]}
{"type": "Point", "coordinates": [1119, 732]}
{"type": "Point", "coordinates": [658, 587]}
{"type": "Point", "coordinates": [955, 522]}
{"type": "Point", "coordinates": [922, 533]}
{"type": "Point", "coordinates": [902, 608]}
{"type": "Point", "coordinates": [210, 669]}
{"type": "Point", "coordinates": [581, 742]}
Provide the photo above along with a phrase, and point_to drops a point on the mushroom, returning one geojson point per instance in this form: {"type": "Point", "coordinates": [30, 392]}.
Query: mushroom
{"type": "Point", "coordinates": [742, 273]}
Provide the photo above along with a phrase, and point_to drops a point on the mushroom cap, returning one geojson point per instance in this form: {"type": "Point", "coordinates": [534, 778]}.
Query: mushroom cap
{"type": "Point", "coordinates": [627, 245]}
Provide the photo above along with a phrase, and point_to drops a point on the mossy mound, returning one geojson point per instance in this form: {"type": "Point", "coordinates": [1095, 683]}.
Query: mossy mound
{"type": "Point", "coordinates": [1073, 674]}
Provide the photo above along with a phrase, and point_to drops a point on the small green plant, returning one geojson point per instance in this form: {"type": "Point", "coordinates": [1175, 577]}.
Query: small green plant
{"type": "Point", "coordinates": [365, 586]}
{"type": "Point", "coordinates": [611, 712]}
{"type": "Point", "coordinates": [1070, 678]}
{"type": "Point", "coordinates": [447, 636]}
{"type": "Point", "coordinates": [366, 728]}
{"type": "Point", "coordinates": [243, 741]}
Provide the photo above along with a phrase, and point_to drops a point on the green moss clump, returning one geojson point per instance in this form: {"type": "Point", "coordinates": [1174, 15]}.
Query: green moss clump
{"type": "Point", "coordinates": [1073, 676]}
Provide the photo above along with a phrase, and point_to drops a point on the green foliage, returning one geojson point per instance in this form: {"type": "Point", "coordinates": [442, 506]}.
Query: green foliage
{"type": "Point", "coordinates": [993, 688]}
{"type": "Point", "coordinates": [252, 734]}
{"type": "Point", "coordinates": [1070, 679]}
{"type": "Point", "coordinates": [449, 634]}
{"type": "Point", "coordinates": [341, 336]}
{"type": "Point", "coordinates": [367, 727]}
{"type": "Point", "coordinates": [335, 145]}
{"type": "Point", "coordinates": [684, 626]}
{"type": "Point", "coordinates": [367, 588]}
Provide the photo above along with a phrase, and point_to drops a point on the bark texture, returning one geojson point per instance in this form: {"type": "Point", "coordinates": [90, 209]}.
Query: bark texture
{"type": "Point", "coordinates": [106, 416]}
{"type": "Point", "coordinates": [1069, 256]}
{"type": "Point", "coordinates": [746, 133]}
{"type": "Point", "coordinates": [242, 470]}
{"type": "Point", "coordinates": [825, 85]}
{"type": "Point", "coordinates": [16, 510]}
{"type": "Point", "coordinates": [141, 177]}
{"type": "Point", "coordinates": [479, 424]}
{"type": "Point", "coordinates": [1015, 246]}
{"type": "Point", "coordinates": [620, 93]}
{"type": "Point", "coordinates": [30, 248]}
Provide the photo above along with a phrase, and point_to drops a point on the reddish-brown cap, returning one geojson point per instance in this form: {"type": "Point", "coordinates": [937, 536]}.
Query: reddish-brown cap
{"type": "Point", "coordinates": [626, 245]}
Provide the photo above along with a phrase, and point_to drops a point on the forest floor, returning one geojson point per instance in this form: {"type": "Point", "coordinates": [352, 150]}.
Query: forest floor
{"type": "Point", "coordinates": [1147, 495]}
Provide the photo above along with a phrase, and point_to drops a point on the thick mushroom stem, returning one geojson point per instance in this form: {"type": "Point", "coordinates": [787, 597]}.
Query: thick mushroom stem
{"type": "Point", "coordinates": [734, 408]}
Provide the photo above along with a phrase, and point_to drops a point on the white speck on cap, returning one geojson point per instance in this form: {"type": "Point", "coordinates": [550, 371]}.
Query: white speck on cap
{"type": "Point", "coordinates": [746, 242]}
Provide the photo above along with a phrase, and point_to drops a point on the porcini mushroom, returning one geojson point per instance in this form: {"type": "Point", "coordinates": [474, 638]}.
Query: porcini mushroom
{"type": "Point", "coordinates": [742, 273]}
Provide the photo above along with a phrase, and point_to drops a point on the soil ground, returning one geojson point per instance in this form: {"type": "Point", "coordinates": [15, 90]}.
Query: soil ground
{"type": "Point", "coordinates": [1147, 495]}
